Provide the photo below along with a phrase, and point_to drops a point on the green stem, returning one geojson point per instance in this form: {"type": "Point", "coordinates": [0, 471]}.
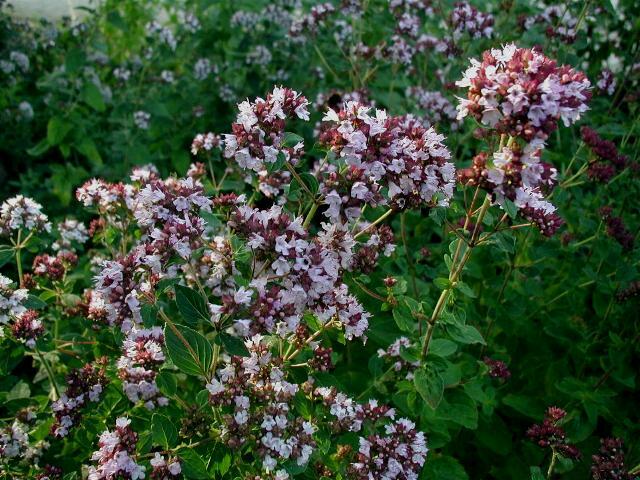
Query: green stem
{"type": "Point", "coordinates": [47, 367]}
{"type": "Point", "coordinates": [381, 218]}
{"type": "Point", "coordinates": [309, 217]}
{"type": "Point", "coordinates": [552, 464]}
{"type": "Point", "coordinates": [18, 258]}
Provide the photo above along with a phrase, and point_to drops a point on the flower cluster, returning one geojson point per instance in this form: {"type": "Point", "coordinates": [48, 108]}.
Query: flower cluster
{"type": "Point", "coordinates": [349, 415]}
{"type": "Point", "coordinates": [258, 133]}
{"type": "Point", "coordinates": [163, 469]}
{"type": "Point", "coordinates": [518, 175]}
{"type": "Point", "coordinates": [54, 268]}
{"type": "Point", "coordinates": [106, 197]}
{"type": "Point", "coordinates": [608, 463]}
{"type": "Point", "coordinates": [617, 229]}
{"type": "Point", "coordinates": [522, 93]}
{"type": "Point", "coordinates": [549, 434]}
{"type": "Point", "coordinates": [14, 440]}
{"type": "Point", "coordinates": [436, 107]}
{"type": "Point", "coordinates": [115, 457]}
{"type": "Point", "coordinates": [497, 368]}
{"type": "Point", "coordinates": [22, 213]}
{"type": "Point", "coordinates": [72, 232]}
{"type": "Point", "coordinates": [398, 153]}
{"type": "Point", "coordinates": [465, 18]}
{"type": "Point", "coordinates": [392, 353]}
{"type": "Point", "coordinates": [27, 327]}
{"type": "Point", "coordinates": [310, 271]}
{"type": "Point", "coordinates": [84, 385]}
{"type": "Point", "coordinates": [606, 82]}
{"type": "Point", "coordinates": [139, 365]}
{"type": "Point", "coordinates": [205, 141]}
{"type": "Point", "coordinates": [608, 161]}
{"type": "Point", "coordinates": [11, 300]}
{"type": "Point", "coordinates": [255, 392]}
{"type": "Point", "coordinates": [400, 453]}
{"type": "Point", "coordinates": [558, 21]}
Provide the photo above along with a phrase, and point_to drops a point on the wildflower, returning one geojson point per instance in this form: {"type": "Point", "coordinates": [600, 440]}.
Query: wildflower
{"type": "Point", "coordinates": [617, 229]}
{"type": "Point", "coordinates": [437, 108]}
{"type": "Point", "coordinates": [497, 368]}
{"type": "Point", "coordinates": [392, 353]}
{"type": "Point", "coordinates": [27, 327]}
{"type": "Point", "coordinates": [608, 160]}
{"type": "Point", "coordinates": [549, 434]}
{"type": "Point", "coordinates": [139, 365]}
{"type": "Point", "coordinates": [522, 93]}
{"type": "Point", "coordinates": [608, 463]}
{"type": "Point", "coordinates": [382, 151]}
{"type": "Point", "coordinates": [141, 119]}
{"type": "Point", "coordinates": [606, 82]}
{"type": "Point", "coordinates": [258, 134]}
{"type": "Point", "coordinates": [204, 141]}
{"type": "Point", "coordinates": [202, 69]}
{"type": "Point", "coordinates": [72, 232]}
{"type": "Point", "coordinates": [400, 454]}
{"type": "Point", "coordinates": [163, 469]}
{"type": "Point", "coordinates": [11, 300]}
{"type": "Point", "coordinates": [84, 385]}
{"type": "Point", "coordinates": [21, 212]}
{"type": "Point", "coordinates": [115, 458]}
{"type": "Point", "coordinates": [465, 18]}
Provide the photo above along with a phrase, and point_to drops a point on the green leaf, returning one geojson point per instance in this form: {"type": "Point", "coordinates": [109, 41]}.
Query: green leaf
{"type": "Point", "coordinates": [167, 383]}
{"type": "Point", "coordinates": [19, 390]}
{"type": "Point", "coordinates": [189, 350]}
{"type": "Point", "coordinates": [403, 320]}
{"type": "Point", "coordinates": [34, 303]}
{"type": "Point", "coordinates": [536, 473]}
{"type": "Point", "coordinates": [192, 305]}
{"type": "Point", "coordinates": [291, 139]}
{"type": "Point", "coordinates": [6, 255]}
{"type": "Point", "coordinates": [311, 181]}
{"type": "Point", "coordinates": [233, 345]}
{"type": "Point", "coordinates": [460, 408]}
{"type": "Point", "coordinates": [430, 386]}
{"type": "Point", "coordinates": [465, 289]}
{"type": "Point", "coordinates": [164, 431]}
{"type": "Point", "coordinates": [465, 334]}
{"type": "Point", "coordinates": [57, 129]}
{"type": "Point", "coordinates": [442, 283]}
{"type": "Point", "coordinates": [92, 96]}
{"type": "Point", "coordinates": [74, 59]}
{"type": "Point", "coordinates": [87, 147]}
{"type": "Point", "coordinates": [41, 147]}
{"type": "Point", "coordinates": [193, 467]}
{"type": "Point", "coordinates": [510, 208]}
{"type": "Point", "coordinates": [443, 468]}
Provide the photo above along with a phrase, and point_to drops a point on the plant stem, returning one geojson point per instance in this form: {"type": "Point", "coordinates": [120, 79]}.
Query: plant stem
{"type": "Point", "coordinates": [552, 464]}
{"type": "Point", "coordinates": [47, 367]}
{"type": "Point", "coordinates": [309, 217]}
{"type": "Point", "coordinates": [454, 275]}
{"type": "Point", "coordinates": [376, 222]}
{"type": "Point", "coordinates": [18, 258]}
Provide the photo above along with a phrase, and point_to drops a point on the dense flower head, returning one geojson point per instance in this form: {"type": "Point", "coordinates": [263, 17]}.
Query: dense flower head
{"type": "Point", "coordinates": [608, 463]}
{"type": "Point", "coordinates": [497, 368]}
{"type": "Point", "coordinates": [398, 153]}
{"type": "Point", "coordinates": [139, 365]}
{"type": "Point", "coordinates": [115, 458]}
{"type": "Point", "coordinates": [164, 469]}
{"type": "Point", "coordinates": [28, 327]}
{"type": "Point", "coordinates": [465, 18]}
{"type": "Point", "coordinates": [105, 196]}
{"type": "Point", "coordinates": [205, 141]}
{"type": "Point", "coordinates": [617, 229]}
{"type": "Point", "coordinates": [436, 108]}
{"type": "Point", "coordinates": [517, 174]}
{"type": "Point", "coordinates": [255, 394]}
{"type": "Point", "coordinates": [72, 232]}
{"type": "Point", "coordinates": [606, 82]}
{"type": "Point", "coordinates": [22, 213]}
{"type": "Point", "coordinates": [549, 434]}
{"type": "Point", "coordinates": [522, 93]}
{"type": "Point", "coordinates": [53, 267]}
{"type": "Point", "coordinates": [11, 300]}
{"type": "Point", "coordinates": [258, 133]}
{"type": "Point", "coordinates": [84, 385]}
{"type": "Point", "coordinates": [14, 440]}
{"type": "Point", "coordinates": [392, 354]}
{"type": "Point", "coordinates": [400, 453]}
{"type": "Point", "coordinates": [608, 160]}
